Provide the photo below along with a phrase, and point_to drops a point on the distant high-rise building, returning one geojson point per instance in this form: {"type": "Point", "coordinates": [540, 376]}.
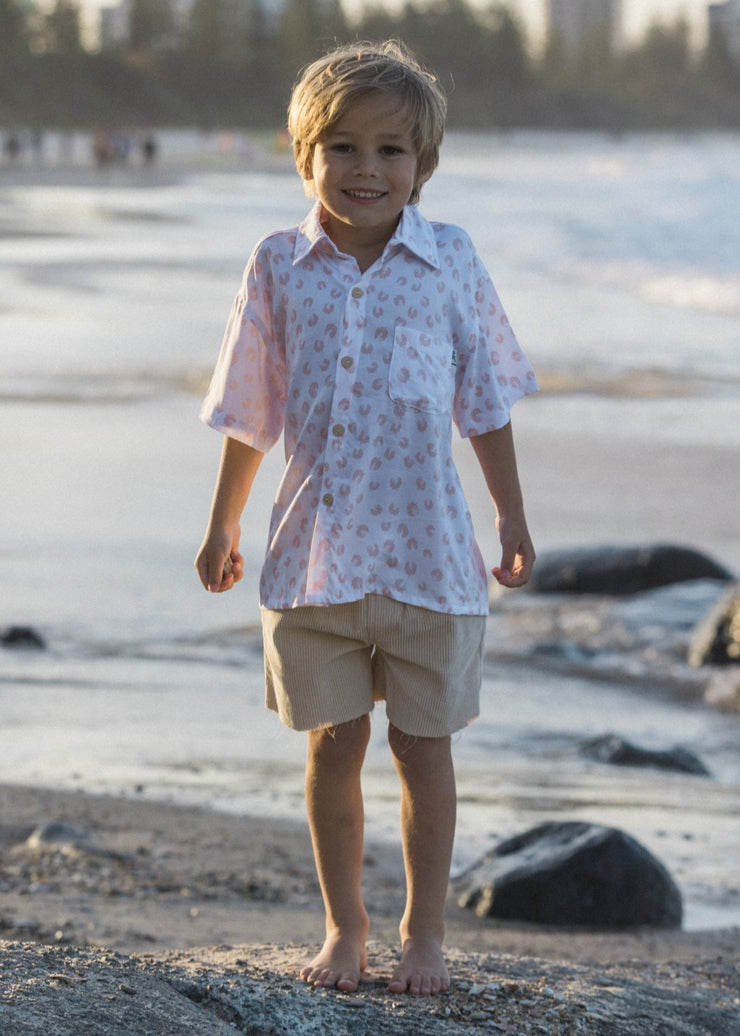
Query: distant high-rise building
{"type": "Point", "coordinates": [114, 25]}
{"type": "Point", "coordinates": [573, 21]}
{"type": "Point", "coordinates": [724, 22]}
{"type": "Point", "coordinates": [115, 19]}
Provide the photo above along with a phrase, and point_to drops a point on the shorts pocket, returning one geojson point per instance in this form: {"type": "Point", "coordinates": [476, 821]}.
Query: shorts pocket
{"type": "Point", "coordinates": [421, 373]}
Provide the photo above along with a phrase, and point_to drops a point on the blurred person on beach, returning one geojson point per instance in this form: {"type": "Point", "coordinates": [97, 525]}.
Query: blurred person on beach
{"type": "Point", "coordinates": [360, 336]}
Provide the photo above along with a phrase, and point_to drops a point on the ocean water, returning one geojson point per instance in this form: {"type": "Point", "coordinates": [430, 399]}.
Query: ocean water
{"type": "Point", "coordinates": [618, 260]}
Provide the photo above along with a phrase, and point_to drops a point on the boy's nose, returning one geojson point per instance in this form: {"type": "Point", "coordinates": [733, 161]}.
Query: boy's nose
{"type": "Point", "coordinates": [366, 165]}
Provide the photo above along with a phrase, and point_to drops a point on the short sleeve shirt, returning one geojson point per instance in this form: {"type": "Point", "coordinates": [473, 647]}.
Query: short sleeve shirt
{"type": "Point", "coordinates": [364, 373]}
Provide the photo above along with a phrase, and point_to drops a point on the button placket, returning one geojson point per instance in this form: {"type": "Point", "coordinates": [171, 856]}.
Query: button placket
{"type": "Point", "coordinates": [344, 376]}
{"type": "Point", "coordinates": [353, 310]}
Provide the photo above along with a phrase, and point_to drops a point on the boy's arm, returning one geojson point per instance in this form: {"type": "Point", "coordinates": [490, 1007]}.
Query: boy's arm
{"type": "Point", "coordinates": [219, 562]}
{"type": "Point", "coordinates": [497, 458]}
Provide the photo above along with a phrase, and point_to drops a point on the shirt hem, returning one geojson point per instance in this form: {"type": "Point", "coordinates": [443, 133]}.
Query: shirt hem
{"type": "Point", "coordinates": [415, 602]}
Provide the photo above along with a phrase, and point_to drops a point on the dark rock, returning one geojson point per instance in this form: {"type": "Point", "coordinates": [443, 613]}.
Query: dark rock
{"type": "Point", "coordinates": [611, 748]}
{"type": "Point", "coordinates": [21, 637]}
{"type": "Point", "coordinates": [571, 873]}
{"type": "Point", "coordinates": [620, 570]}
{"type": "Point", "coordinates": [61, 834]}
{"type": "Point", "coordinates": [58, 833]}
{"type": "Point", "coordinates": [716, 638]}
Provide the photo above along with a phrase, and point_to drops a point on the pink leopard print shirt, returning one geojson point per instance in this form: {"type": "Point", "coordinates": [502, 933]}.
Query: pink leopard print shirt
{"type": "Point", "coordinates": [363, 375]}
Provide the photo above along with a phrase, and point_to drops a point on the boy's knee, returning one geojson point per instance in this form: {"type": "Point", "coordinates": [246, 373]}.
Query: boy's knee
{"type": "Point", "coordinates": [400, 743]}
{"type": "Point", "coordinates": [342, 740]}
{"type": "Point", "coordinates": [405, 746]}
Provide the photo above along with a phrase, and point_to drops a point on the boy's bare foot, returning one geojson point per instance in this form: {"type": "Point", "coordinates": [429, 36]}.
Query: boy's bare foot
{"type": "Point", "coordinates": [340, 964]}
{"type": "Point", "coordinates": [422, 969]}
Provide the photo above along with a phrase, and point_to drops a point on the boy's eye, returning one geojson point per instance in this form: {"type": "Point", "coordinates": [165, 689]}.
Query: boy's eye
{"type": "Point", "coordinates": [341, 149]}
{"type": "Point", "coordinates": [391, 149]}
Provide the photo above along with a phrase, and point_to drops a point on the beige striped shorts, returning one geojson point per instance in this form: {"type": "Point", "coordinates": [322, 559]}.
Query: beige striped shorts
{"type": "Point", "coordinates": [329, 665]}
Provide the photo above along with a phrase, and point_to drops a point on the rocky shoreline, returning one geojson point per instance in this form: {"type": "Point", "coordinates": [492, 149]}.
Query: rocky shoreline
{"type": "Point", "coordinates": [156, 920]}
{"type": "Point", "coordinates": [253, 989]}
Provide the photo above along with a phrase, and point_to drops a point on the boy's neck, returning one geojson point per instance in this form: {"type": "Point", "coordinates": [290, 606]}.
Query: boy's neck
{"type": "Point", "coordinates": [366, 255]}
{"type": "Point", "coordinates": [365, 246]}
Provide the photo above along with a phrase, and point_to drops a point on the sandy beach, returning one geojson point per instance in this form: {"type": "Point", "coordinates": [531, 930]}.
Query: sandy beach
{"type": "Point", "coordinates": [203, 919]}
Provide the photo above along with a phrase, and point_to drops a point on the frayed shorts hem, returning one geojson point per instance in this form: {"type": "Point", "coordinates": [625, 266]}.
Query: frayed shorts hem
{"type": "Point", "coordinates": [329, 665]}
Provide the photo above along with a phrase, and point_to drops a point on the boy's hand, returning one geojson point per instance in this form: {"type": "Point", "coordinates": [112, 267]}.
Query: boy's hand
{"type": "Point", "coordinates": [219, 562]}
{"type": "Point", "coordinates": [219, 565]}
{"type": "Point", "coordinates": [517, 552]}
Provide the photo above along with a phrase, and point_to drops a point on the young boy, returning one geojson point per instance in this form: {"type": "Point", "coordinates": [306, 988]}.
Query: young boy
{"type": "Point", "coordinates": [360, 335]}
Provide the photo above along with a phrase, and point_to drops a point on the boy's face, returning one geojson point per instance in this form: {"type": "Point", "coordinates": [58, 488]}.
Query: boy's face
{"type": "Point", "coordinates": [364, 170]}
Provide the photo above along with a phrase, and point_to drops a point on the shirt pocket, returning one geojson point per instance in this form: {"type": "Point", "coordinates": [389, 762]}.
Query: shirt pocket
{"type": "Point", "coordinates": [421, 372]}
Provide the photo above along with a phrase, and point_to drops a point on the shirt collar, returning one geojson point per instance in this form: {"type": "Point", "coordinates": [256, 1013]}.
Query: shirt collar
{"type": "Point", "coordinates": [413, 232]}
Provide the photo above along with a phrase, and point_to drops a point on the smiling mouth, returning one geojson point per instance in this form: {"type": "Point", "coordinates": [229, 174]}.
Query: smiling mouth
{"type": "Point", "coordinates": [365, 195]}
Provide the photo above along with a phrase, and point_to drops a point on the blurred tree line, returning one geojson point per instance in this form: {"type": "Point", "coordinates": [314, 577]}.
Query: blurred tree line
{"type": "Point", "coordinates": [232, 63]}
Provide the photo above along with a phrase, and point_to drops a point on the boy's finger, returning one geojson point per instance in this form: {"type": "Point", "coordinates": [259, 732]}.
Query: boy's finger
{"type": "Point", "coordinates": [237, 567]}
{"type": "Point", "coordinates": [503, 576]}
{"type": "Point", "coordinates": [514, 573]}
{"type": "Point", "coordinates": [508, 564]}
{"type": "Point", "coordinates": [201, 566]}
{"type": "Point", "coordinates": [218, 568]}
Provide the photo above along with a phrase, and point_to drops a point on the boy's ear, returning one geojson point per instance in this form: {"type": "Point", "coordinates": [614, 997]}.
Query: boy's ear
{"type": "Point", "coordinates": [305, 171]}
{"type": "Point", "coordinates": [303, 163]}
{"type": "Point", "coordinates": [422, 176]}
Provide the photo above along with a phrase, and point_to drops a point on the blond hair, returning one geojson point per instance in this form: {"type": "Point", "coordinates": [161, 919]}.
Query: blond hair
{"type": "Point", "coordinates": [327, 88]}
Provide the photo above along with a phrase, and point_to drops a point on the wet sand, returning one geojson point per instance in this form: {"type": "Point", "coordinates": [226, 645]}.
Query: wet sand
{"type": "Point", "coordinates": [211, 917]}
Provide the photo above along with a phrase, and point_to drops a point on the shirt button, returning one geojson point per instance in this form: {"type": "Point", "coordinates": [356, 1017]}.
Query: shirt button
{"type": "Point", "coordinates": [357, 293]}
{"type": "Point", "coordinates": [347, 362]}
{"type": "Point", "coordinates": [338, 429]}
{"type": "Point", "coordinates": [327, 499]}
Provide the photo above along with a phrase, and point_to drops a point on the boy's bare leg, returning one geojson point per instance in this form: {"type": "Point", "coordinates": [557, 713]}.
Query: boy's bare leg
{"type": "Point", "coordinates": [428, 813]}
{"type": "Point", "coordinates": [336, 818]}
